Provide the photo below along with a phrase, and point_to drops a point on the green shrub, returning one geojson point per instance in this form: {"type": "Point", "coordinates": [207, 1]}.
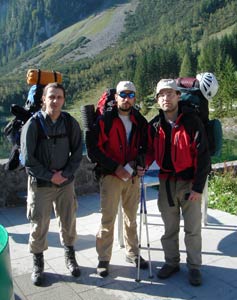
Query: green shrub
{"type": "Point", "coordinates": [222, 192]}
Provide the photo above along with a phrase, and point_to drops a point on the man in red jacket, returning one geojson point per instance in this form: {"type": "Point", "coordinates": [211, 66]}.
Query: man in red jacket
{"type": "Point", "coordinates": [177, 141]}
{"type": "Point", "coordinates": [120, 140]}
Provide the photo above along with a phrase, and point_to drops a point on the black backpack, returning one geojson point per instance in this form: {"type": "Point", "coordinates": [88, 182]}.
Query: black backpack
{"type": "Point", "coordinates": [90, 115]}
{"type": "Point", "coordinates": [193, 98]}
{"type": "Point", "coordinates": [12, 130]}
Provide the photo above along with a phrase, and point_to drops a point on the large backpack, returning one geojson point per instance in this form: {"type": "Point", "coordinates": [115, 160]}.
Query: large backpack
{"type": "Point", "coordinates": [90, 115]}
{"type": "Point", "coordinates": [22, 114]}
{"type": "Point", "coordinates": [37, 79]}
{"type": "Point", "coordinates": [193, 97]}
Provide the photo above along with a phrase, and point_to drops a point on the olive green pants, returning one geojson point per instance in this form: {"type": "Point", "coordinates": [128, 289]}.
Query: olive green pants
{"type": "Point", "coordinates": [40, 201]}
{"type": "Point", "coordinates": [112, 190]}
{"type": "Point", "coordinates": [191, 212]}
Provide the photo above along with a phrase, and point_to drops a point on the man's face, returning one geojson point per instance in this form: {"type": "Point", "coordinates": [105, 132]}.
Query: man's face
{"type": "Point", "coordinates": [125, 100]}
{"type": "Point", "coordinates": [53, 100]}
{"type": "Point", "coordinates": [168, 100]}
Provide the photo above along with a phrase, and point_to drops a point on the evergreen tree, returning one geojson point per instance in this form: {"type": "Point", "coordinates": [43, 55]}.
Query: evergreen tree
{"type": "Point", "coordinates": [140, 77]}
{"type": "Point", "coordinates": [208, 54]}
{"type": "Point", "coordinates": [228, 85]}
{"type": "Point", "coordinates": [186, 69]}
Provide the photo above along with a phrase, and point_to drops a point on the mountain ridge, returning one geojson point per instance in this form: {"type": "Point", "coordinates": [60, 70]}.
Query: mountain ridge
{"type": "Point", "coordinates": [94, 40]}
{"type": "Point", "coordinates": [149, 41]}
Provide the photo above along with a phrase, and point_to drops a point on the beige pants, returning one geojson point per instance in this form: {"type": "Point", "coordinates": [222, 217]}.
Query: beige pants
{"type": "Point", "coordinates": [40, 201]}
{"type": "Point", "coordinates": [112, 190]}
{"type": "Point", "coordinates": [191, 212]}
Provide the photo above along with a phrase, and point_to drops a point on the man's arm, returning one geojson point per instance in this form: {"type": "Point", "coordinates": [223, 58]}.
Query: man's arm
{"type": "Point", "coordinates": [76, 150]}
{"type": "Point", "coordinates": [29, 137]}
{"type": "Point", "coordinates": [202, 159]}
{"type": "Point", "coordinates": [96, 151]}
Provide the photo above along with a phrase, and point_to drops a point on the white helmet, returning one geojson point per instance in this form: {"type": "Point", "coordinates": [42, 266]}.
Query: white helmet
{"type": "Point", "coordinates": [208, 84]}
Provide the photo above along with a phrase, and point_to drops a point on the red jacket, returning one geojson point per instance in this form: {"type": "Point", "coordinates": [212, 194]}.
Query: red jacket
{"type": "Point", "coordinates": [111, 147]}
{"type": "Point", "coordinates": [189, 149]}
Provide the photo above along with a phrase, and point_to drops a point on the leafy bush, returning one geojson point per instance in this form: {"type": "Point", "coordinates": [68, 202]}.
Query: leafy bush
{"type": "Point", "coordinates": [222, 191]}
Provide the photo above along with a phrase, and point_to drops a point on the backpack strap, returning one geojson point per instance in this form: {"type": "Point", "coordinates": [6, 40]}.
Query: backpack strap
{"type": "Point", "coordinates": [108, 117]}
{"type": "Point", "coordinates": [39, 76]}
{"type": "Point", "coordinates": [43, 132]}
{"type": "Point", "coordinates": [68, 125]}
{"type": "Point", "coordinates": [55, 76]}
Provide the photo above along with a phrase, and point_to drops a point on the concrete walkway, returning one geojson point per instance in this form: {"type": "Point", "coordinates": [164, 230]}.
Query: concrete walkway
{"type": "Point", "coordinates": [219, 260]}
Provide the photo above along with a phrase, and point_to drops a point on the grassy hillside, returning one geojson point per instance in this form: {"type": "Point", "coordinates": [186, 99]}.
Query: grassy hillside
{"type": "Point", "coordinates": [86, 38]}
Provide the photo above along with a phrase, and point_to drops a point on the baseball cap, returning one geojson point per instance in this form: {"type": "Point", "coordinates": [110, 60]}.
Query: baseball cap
{"type": "Point", "coordinates": [166, 84]}
{"type": "Point", "coordinates": [125, 86]}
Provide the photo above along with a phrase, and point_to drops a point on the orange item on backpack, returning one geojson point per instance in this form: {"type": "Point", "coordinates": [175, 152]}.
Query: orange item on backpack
{"type": "Point", "coordinates": [37, 76]}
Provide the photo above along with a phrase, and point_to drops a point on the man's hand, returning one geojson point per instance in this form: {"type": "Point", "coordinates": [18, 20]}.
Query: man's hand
{"type": "Point", "coordinates": [58, 178]}
{"type": "Point", "coordinates": [122, 173]}
{"type": "Point", "coordinates": [140, 171]}
{"type": "Point", "coordinates": [194, 196]}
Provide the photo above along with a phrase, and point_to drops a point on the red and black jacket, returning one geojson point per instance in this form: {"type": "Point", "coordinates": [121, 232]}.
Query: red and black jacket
{"type": "Point", "coordinates": [111, 147]}
{"type": "Point", "coordinates": [189, 154]}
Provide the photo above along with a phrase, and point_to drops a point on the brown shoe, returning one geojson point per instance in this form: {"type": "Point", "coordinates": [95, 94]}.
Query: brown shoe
{"type": "Point", "coordinates": [195, 277]}
{"type": "Point", "coordinates": [70, 261]}
{"type": "Point", "coordinates": [38, 269]}
{"type": "Point", "coordinates": [103, 268]}
{"type": "Point", "coordinates": [134, 260]}
{"type": "Point", "coordinates": [167, 270]}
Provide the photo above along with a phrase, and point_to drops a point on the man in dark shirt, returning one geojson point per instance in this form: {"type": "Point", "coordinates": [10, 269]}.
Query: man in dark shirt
{"type": "Point", "coordinates": [51, 156]}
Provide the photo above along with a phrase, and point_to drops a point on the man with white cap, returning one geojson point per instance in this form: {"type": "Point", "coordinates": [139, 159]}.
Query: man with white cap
{"type": "Point", "coordinates": [117, 154]}
{"type": "Point", "coordinates": [177, 141]}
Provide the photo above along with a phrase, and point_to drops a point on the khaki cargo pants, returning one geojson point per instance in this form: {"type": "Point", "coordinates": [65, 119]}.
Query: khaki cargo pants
{"type": "Point", "coordinates": [40, 201]}
{"type": "Point", "coordinates": [191, 212]}
{"type": "Point", "coordinates": [113, 189]}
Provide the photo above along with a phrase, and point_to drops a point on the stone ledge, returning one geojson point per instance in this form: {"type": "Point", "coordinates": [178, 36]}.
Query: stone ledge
{"type": "Point", "coordinates": [13, 184]}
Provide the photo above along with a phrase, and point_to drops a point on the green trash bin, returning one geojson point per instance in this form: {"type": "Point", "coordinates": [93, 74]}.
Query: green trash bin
{"type": "Point", "coordinates": [6, 284]}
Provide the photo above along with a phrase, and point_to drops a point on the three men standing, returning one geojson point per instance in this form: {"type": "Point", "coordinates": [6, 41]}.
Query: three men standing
{"type": "Point", "coordinates": [176, 140]}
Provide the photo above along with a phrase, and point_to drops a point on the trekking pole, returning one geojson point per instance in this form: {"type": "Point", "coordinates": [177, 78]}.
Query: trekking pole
{"type": "Point", "coordinates": [143, 210]}
{"type": "Point", "coordinates": [147, 232]}
{"type": "Point", "coordinates": [139, 241]}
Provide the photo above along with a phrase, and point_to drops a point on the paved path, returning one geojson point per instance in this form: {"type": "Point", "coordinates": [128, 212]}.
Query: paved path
{"type": "Point", "coordinates": [219, 260]}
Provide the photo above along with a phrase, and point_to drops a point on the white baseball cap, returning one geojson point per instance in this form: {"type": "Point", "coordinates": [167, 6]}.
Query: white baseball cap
{"type": "Point", "coordinates": [125, 86]}
{"type": "Point", "coordinates": [166, 84]}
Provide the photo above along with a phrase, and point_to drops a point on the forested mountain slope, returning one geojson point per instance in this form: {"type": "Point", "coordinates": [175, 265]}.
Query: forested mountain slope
{"type": "Point", "coordinates": [160, 39]}
{"type": "Point", "coordinates": [25, 24]}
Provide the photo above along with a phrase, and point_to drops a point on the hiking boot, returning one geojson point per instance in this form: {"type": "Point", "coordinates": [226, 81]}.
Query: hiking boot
{"type": "Point", "coordinates": [167, 270]}
{"type": "Point", "coordinates": [38, 269]}
{"type": "Point", "coordinates": [70, 261]}
{"type": "Point", "coordinates": [195, 277]}
{"type": "Point", "coordinates": [134, 260]}
{"type": "Point", "coordinates": [103, 268]}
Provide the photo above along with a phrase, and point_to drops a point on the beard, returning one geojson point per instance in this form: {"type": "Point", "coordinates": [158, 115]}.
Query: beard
{"type": "Point", "coordinates": [170, 109]}
{"type": "Point", "coordinates": [125, 109]}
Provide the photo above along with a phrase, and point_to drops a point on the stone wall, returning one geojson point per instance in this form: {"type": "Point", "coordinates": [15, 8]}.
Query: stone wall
{"type": "Point", "coordinates": [13, 184]}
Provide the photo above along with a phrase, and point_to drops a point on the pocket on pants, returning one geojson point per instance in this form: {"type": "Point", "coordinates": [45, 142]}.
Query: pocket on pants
{"type": "Point", "coordinates": [30, 211]}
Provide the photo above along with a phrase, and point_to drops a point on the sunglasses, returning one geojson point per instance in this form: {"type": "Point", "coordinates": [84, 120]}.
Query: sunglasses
{"type": "Point", "coordinates": [125, 95]}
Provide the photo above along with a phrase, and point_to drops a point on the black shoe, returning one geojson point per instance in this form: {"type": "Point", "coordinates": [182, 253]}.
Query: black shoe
{"type": "Point", "coordinates": [167, 270]}
{"type": "Point", "coordinates": [38, 269]}
{"type": "Point", "coordinates": [103, 268]}
{"type": "Point", "coordinates": [70, 261]}
{"type": "Point", "coordinates": [195, 277]}
{"type": "Point", "coordinates": [134, 260]}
